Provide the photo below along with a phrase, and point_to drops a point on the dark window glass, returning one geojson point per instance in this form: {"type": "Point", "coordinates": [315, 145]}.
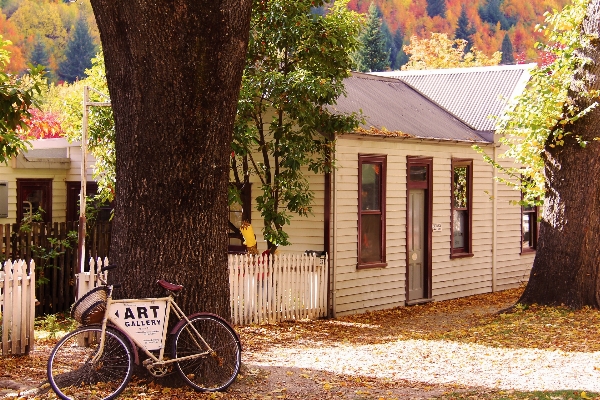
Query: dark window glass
{"type": "Point", "coordinates": [529, 228]}
{"type": "Point", "coordinates": [235, 217]}
{"type": "Point", "coordinates": [239, 213]}
{"type": "Point", "coordinates": [418, 174]}
{"type": "Point", "coordinates": [462, 182]}
{"type": "Point", "coordinates": [370, 237]}
{"type": "Point", "coordinates": [103, 211]}
{"type": "Point", "coordinates": [371, 187]}
{"type": "Point", "coordinates": [371, 216]}
{"type": "Point", "coordinates": [33, 196]}
{"type": "Point", "coordinates": [459, 229]}
{"type": "Point", "coordinates": [460, 187]}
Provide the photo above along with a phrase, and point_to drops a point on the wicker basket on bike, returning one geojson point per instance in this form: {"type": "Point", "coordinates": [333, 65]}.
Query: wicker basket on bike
{"type": "Point", "coordinates": [90, 308]}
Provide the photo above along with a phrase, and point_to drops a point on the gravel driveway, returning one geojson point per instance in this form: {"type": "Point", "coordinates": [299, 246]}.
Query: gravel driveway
{"type": "Point", "coordinates": [446, 363]}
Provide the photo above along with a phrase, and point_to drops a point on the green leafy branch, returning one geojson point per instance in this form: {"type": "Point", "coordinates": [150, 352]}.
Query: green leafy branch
{"type": "Point", "coordinates": [542, 114]}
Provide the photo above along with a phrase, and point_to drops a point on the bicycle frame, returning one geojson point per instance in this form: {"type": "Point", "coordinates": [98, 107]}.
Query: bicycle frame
{"type": "Point", "coordinates": [112, 310]}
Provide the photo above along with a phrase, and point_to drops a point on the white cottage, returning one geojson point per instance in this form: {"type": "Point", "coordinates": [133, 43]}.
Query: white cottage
{"type": "Point", "coordinates": [48, 176]}
{"type": "Point", "coordinates": [412, 212]}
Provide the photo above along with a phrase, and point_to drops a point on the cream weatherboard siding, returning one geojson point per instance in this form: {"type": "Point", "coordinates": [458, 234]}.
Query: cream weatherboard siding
{"type": "Point", "coordinates": [361, 290]}
{"type": "Point", "coordinates": [9, 175]}
{"type": "Point", "coordinates": [59, 170]}
{"type": "Point", "coordinates": [306, 233]}
{"type": "Point", "coordinates": [512, 267]}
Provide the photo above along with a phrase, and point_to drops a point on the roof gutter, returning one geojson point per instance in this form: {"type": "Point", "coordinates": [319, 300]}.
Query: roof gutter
{"type": "Point", "coordinates": [421, 139]}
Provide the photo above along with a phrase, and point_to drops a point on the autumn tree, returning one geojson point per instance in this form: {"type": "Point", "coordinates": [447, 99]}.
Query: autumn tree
{"type": "Point", "coordinates": [40, 19]}
{"type": "Point", "coordinates": [464, 28]}
{"type": "Point", "coordinates": [553, 130]}
{"type": "Point", "coordinates": [436, 7]}
{"type": "Point", "coordinates": [174, 71]}
{"type": "Point", "coordinates": [43, 125]}
{"type": "Point", "coordinates": [372, 54]}
{"type": "Point", "coordinates": [65, 102]}
{"type": "Point", "coordinates": [507, 51]}
{"type": "Point", "coordinates": [442, 52]}
{"type": "Point", "coordinates": [79, 53]}
{"type": "Point", "coordinates": [491, 13]}
{"type": "Point", "coordinates": [17, 97]}
{"type": "Point", "coordinates": [39, 55]}
{"type": "Point", "coordinates": [295, 69]}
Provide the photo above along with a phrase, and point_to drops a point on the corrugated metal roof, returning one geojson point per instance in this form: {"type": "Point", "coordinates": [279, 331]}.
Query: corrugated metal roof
{"type": "Point", "coordinates": [475, 95]}
{"type": "Point", "coordinates": [393, 107]}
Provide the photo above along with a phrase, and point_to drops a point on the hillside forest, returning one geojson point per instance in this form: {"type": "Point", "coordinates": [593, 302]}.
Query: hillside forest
{"type": "Point", "coordinates": [487, 25]}
{"type": "Point", "coordinates": [62, 34]}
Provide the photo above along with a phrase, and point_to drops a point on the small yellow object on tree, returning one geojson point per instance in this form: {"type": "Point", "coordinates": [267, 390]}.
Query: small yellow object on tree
{"type": "Point", "coordinates": [248, 234]}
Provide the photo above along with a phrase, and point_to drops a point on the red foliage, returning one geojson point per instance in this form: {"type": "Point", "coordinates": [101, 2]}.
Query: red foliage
{"type": "Point", "coordinates": [43, 125]}
{"type": "Point", "coordinates": [545, 58]}
{"type": "Point", "coordinates": [520, 58]}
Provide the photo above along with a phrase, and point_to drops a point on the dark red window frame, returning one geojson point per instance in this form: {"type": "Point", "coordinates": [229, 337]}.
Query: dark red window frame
{"type": "Point", "coordinates": [380, 162]}
{"type": "Point", "coordinates": [25, 186]}
{"type": "Point", "coordinates": [457, 206]}
{"type": "Point", "coordinates": [246, 197]}
{"type": "Point", "coordinates": [529, 242]}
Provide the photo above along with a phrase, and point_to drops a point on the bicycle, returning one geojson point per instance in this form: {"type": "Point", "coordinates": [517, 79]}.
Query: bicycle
{"type": "Point", "coordinates": [96, 360]}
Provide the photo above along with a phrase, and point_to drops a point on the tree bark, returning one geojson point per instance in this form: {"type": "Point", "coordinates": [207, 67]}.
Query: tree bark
{"type": "Point", "coordinates": [566, 266]}
{"type": "Point", "coordinates": [174, 70]}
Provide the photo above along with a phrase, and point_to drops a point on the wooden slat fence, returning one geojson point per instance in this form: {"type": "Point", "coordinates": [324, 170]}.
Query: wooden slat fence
{"type": "Point", "coordinates": [17, 307]}
{"type": "Point", "coordinates": [58, 292]}
{"type": "Point", "coordinates": [268, 289]}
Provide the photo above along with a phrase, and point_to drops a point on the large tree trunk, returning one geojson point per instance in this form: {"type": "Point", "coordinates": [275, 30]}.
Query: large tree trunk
{"type": "Point", "coordinates": [566, 266]}
{"type": "Point", "coordinates": [174, 71]}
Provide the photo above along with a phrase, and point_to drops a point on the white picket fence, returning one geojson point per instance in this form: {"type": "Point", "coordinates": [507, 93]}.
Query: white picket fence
{"type": "Point", "coordinates": [88, 280]}
{"type": "Point", "coordinates": [267, 289]}
{"type": "Point", "coordinates": [17, 307]}
{"type": "Point", "coordinates": [264, 289]}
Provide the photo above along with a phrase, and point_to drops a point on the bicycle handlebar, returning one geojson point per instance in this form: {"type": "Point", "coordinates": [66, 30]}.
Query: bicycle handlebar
{"type": "Point", "coordinates": [108, 267]}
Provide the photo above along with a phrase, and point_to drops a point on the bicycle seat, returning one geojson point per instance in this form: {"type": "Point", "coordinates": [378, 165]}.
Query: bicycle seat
{"type": "Point", "coordinates": [169, 286]}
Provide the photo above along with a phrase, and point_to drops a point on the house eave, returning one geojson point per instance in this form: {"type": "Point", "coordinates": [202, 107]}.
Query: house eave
{"type": "Point", "coordinates": [414, 139]}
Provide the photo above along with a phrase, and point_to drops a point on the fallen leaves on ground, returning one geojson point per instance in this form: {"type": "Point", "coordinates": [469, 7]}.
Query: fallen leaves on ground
{"type": "Point", "coordinates": [474, 319]}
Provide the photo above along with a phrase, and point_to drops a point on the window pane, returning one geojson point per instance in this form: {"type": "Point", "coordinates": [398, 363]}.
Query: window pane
{"type": "Point", "coordinates": [235, 214]}
{"type": "Point", "coordinates": [371, 187]}
{"type": "Point", "coordinates": [33, 200]}
{"type": "Point", "coordinates": [459, 230]}
{"type": "Point", "coordinates": [460, 187]}
{"type": "Point", "coordinates": [370, 238]}
{"type": "Point", "coordinates": [527, 220]}
{"type": "Point", "coordinates": [418, 174]}
{"type": "Point", "coordinates": [235, 217]}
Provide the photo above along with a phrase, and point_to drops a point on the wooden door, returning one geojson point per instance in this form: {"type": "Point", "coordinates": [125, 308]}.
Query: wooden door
{"type": "Point", "coordinates": [419, 188]}
{"type": "Point", "coordinates": [416, 244]}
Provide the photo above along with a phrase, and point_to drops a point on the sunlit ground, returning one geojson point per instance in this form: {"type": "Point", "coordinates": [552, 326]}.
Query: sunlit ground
{"type": "Point", "coordinates": [459, 349]}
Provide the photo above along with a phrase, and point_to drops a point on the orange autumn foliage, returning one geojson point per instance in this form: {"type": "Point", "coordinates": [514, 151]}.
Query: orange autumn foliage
{"type": "Point", "coordinates": [411, 17]}
{"type": "Point", "coordinates": [43, 125]}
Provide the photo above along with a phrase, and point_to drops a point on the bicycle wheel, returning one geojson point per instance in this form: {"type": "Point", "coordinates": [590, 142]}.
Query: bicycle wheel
{"type": "Point", "coordinates": [71, 373]}
{"type": "Point", "coordinates": [212, 371]}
